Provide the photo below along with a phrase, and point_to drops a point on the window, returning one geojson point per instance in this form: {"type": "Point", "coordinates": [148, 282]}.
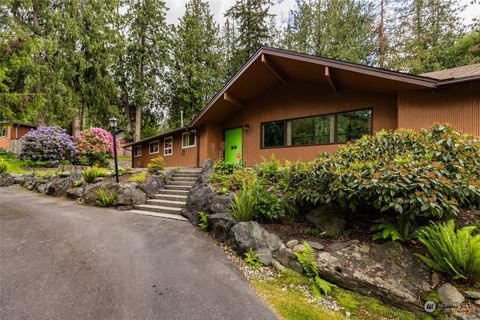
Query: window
{"type": "Point", "coordinates": [168, 146]}
{"type": "Point", "coordinates": [3, 131]}
{"type": "Point", "coordinates": [137, 151]}
{"type": "Point", "coordinates": [189, 139]}
{"type": "Point", "coordinates": [153, 147]}
{"type": "Point", "coordinates": [317, 130]}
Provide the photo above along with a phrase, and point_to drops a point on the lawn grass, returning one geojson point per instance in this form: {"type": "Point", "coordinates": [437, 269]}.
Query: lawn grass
{"type": "Point", "coordinates": [291, 303]}
{"type": "Point", "coordinates": [15, 165]}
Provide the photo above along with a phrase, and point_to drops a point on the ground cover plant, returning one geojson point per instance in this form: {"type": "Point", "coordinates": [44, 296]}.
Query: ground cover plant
{"type": "Point", "coordinates": [49, 145]}
{"type": "Point", "coordinates": [139, 177]}
{"type": "Point", "coordinates": [106, 198]}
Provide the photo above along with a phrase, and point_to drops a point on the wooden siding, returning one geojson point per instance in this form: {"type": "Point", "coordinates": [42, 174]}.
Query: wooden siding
{"type": "Point", "coordinates": [13, 133]}
{"type": "Point", "coordinates": [457, 105]}
{"type": "Point", "coordinates": [301, 98]}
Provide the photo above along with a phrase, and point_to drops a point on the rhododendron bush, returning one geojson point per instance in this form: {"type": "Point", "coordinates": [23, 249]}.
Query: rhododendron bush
{"type": "Point", "coordinates": [48, 144]}
{"type": "Point", "coordinates": [95, 146]}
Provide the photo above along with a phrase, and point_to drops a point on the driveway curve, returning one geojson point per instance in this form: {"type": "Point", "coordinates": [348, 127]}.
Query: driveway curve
{"type": "Point", "coordinates": [61, 260]}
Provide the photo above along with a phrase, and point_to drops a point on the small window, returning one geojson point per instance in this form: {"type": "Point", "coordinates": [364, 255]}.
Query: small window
{"type": "Point", "coordinates": [189, 139]}
{"type": "Point", "coordinates": [168, 146]}
{"type": "Point", "coordinates": [137, 151]}
{"type": "Point", "coordinates": [3, 131]}
{"type": "Point", "coordinates": [154, 147]}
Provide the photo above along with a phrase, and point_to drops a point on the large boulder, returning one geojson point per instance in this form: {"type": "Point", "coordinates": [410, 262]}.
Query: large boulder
{"type": "Point", "coordinates": [220, 224]}
{"type": "Point", "coordinates": [89, 195]}
{"type": "Point", "coordinates": [288, 259]}
{"type": "Point", "coordinates": [448, 294]}
{"type": "Point", "coordinates": [58, 187]}
{"type": "Point", "coordinates": [388, 271]}
{"type": "Point", "coordinates": [245, 235]}
{"type": "Point", "coordinates": [199, 199]}
{"type": "Point", "coordinates": [129, 195]}
{"type": "Point", "coordinates": [30, 182]}
{"type": "Point", "coordinates": [221, 202]}
{"type": "Point", "coordinates": [74, 193]}
{"type": "Point", "coordinates": [6, 179]}
{"type": "Point", "coordinates": [207, 170]}
{"type": "Point", "coordinates": [328, 219]}
{"type": "Point", "coordinates": [153, 184]}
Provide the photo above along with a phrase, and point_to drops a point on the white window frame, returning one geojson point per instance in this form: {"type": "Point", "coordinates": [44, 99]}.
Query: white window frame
{"type": "Point", "coordinates": [165, 148]}
{"type": "Point", "coordinates": [150, 147]}
{"type": "Point", "coordinates": [139, 147]}
{"type": "Point", "coordinates": [194, 139]}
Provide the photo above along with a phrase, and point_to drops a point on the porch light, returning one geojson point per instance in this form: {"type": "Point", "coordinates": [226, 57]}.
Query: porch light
{"type": "Point", "coordinates": [113, 123]}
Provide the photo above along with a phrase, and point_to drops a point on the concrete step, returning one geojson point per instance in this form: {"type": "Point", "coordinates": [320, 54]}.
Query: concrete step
{"type": "Point", "coordinates": [171, 197]}
{"type": "Point", "coordinates": [173, 192]}
{"type": "Point", "coordinates": [189, 170]}
{"type": "Point", "coordinates": [177, 187]}
{"type": "Point", "coordinates": [186, 175]}
{"type": "Point", "coordinates": [160, 215]}
{"type": "Point", "coordinates": [155, 208]}
{"type": "Point", "coordinates": [190, 179]}
{"type": "Point", "coordinates": [166, 203]}
{"type": "Point", "coordinates": [180, 183]}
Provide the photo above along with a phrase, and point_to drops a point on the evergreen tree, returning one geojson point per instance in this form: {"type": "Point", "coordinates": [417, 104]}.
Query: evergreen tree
{"type": "Point", "coordinates": [197, 68]}
{"type": "Point", "coordinates": [253, 20]}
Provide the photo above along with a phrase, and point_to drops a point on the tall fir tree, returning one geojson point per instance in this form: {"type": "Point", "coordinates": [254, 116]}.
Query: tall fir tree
{"type": "Point", "coordinates": [253, 20]}
{"type": "Point", "coordinates": [197, 66]}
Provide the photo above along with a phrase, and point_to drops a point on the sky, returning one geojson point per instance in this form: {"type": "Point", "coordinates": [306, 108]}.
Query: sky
{"type": "Point", "coordinates": [281, 9]}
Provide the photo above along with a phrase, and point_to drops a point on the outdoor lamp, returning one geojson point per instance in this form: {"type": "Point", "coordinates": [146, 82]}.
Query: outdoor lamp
{"type": "Point", "coordinates": [113, 124]}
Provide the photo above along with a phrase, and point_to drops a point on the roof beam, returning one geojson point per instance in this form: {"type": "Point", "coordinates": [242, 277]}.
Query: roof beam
{"type": "Point", "coordinates": [274, 68]}
{"type": "Point", "coordinates": [330, 81]}
{"type": "Point", "coordinates": [232, 99]}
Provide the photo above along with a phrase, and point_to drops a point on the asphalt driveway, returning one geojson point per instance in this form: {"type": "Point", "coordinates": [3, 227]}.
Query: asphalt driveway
{"type": "Point", "coordinates": [60, 260]}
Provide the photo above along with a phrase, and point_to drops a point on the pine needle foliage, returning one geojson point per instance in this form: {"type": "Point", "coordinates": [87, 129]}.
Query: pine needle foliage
{"type": "Point", "coordinates": [309, 266]}
{"type": "Point", "coordinates": [456, 253]}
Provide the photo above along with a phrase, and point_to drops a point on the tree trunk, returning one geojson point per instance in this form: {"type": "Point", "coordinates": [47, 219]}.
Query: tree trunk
{"type": "Point", "coordinates": [75, 126]}
{"type": "Point", "coordinates": [138, 122]}
{"type": "Point", "coordinates": [381, 35]}
{"type": "Point", "coordinates": [126, 108]}
{"type": "Point", "coordinates": [35, 18]}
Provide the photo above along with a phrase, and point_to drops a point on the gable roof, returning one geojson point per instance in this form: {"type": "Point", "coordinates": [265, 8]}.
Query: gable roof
{"type": "Point", "coordinates": [455, 73]}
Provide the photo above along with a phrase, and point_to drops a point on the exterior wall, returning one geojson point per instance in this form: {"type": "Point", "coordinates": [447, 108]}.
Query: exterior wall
{"type": "Point", "coordinates": [299, 99]}
{"type": "Point", "coordinates": [458, 105]}
{"type": "Point", "coordinates": [180, 158]}
{"type": "Point", "coordinates": [5, 141]}
{"type": "Point", "coordinates": [13, 133]}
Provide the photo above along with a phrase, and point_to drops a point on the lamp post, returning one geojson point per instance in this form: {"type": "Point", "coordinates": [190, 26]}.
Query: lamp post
{"type": "Point", "coordinates": [113, 124]}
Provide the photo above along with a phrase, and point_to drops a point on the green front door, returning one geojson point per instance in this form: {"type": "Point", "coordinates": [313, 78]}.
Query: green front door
{"type": "Point", "coordinates": [233, 145]}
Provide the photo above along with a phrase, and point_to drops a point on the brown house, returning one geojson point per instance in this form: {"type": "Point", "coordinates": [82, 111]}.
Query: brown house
{"type": "Point", "coordinates": [11, 133]}
{"type": "Point", "coordinates": [295, 106]}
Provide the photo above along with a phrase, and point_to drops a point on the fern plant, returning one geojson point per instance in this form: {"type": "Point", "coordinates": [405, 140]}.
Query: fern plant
{"type": "Point", "coordinates": [456, 253]}
{"type": "Point", "coordinates": [309, 266]}
{"type": "Point", "coordinates": [91, 174]}
{"type": "Point", "coordinates": [252, 259]}
{"type": "Point", "coordinates": [106, 198]}
{"type": "Point", "coordinates": [243, 204]}
{"type": "Point", "coordinates": [203, 224]}
{"type": "Point", "coordinates": [384, 229]}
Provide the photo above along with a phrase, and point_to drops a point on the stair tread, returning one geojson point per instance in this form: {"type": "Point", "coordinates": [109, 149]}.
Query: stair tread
{"type": "Point", "coordinates": [171, 196]}
{"type": "Point", "coordinates": [160, 215]}
{"type": "Point", "coordinates": [167, 190]}
{"type": "Point", "coordinates": [167, 201]}
{"type": "Point", "coordinates": [154, 206]}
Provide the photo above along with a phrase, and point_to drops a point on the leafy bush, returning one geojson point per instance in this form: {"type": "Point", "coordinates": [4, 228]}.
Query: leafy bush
{"type": "Point", "coordinates": [225, 168]}
{"type": "Point", "coordinates": [106, 198]}
{"type": "Point", "coordinates": [48, 144]}
{"type": "Point", "coordinates": [251, 258]}
{"type": "Point", "coordinates": [3, 166]}
{"type": "Point", "coordinates": [89, 175]}
{"type": "Point", "coordinates": [203, 224]}
{"type": "Point", "coordinates": [309, 266]}
{"type": "Point", "coordinates": [139, 177]}
{"type": "Point", "coordinates": [268, 204]}
{"type": "Point", "coordinates": [155, 164]}
{"type": "Point", "coordinates": [456, 253]}
{"type": "Point", "coordinates": [95, 146]}
{"type": "Point", "coordinates": [415, 175]}
{"type": "Point", "coordinates": [384, 229]}
{"type": "Point", "coordinates": [232, 180]}
{"type": "Point", "coordinates": [269, 171]}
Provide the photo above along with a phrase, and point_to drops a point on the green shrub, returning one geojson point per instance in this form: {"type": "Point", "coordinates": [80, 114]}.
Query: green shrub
{"type": "Point", "coordinates": [139, 177]}
{"type": "Point", "coordinates": [222, 167]}
{"type": "Point", "coordinates": [156, 164]}
{"type": "Point", "coordinates": [456, 253]}
{"type": "Point", "coordinates": [243, 204]}
{"type": "Point", "coordinates": [417, 176]}
{"type": "Point", "coordinates": [106, 198]}
{"type": "Point", "coordinates": [269, 171]}
{"type": "Point", "coordinates": [315, 232]}
{"type": "Point", "coordinates": [251, 258]}
{"type": "Point", "coordinates": [384, 229]}
{"type": "Point", "coordinates": [309, 266]}
{"type": "Point", "coordinates": [232, 180]}
{"type": "Point", "coordinates": [89, 175]}
{"type": "Point", "coordinates": [3, 166]}
{"type": "Point", "coordinates": [268, 204]}
{"type": "Point", "coordinates": [78, 183]}
{"type": "Point", "coordinates": [203, 224]}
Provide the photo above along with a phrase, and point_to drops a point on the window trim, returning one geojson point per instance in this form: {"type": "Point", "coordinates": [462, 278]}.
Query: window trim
{"type": "Point", "coordinates": [6, 132]}
{"type": "Point", "coordinates": [150, 144]}
{"type": "Point", "coordinates": [164, 140]}
{"type": "Point", "coordinates": [335, 114]}
{"type": "Point", "coordinates": [194, 139]}
{"type": "Point", "coordinates": [137, 147]}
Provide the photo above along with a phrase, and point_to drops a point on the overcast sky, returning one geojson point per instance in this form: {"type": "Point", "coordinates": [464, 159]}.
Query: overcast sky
{"type": "Point", "coordinates": [280, 9]}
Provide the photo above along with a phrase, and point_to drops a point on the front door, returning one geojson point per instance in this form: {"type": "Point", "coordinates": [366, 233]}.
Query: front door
{"type": "Point", "coordinates": [233, 145]}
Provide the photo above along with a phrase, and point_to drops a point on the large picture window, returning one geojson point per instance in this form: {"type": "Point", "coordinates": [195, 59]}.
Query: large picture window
{"type": "Point", "coordinates": [317, 130]}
